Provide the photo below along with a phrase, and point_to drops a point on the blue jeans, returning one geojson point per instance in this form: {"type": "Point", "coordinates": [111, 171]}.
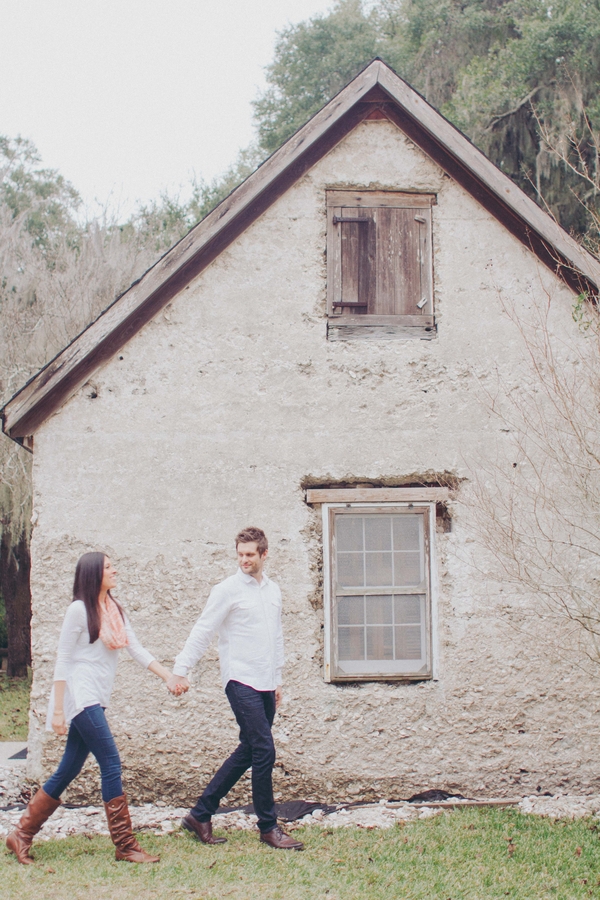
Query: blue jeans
{"type": "Point", "coordinates": [254, 712]}
{"type": "Point", "coordinates": [88, 733]}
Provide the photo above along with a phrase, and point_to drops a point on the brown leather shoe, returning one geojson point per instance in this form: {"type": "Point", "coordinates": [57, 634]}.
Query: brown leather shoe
{"type": "Point", "coordinates": [202, 830]}
{"type": "Point", "coordinates": [121, 833]}
{"type": "Point", "coordinates": [39, 808]}
{"type": "Point", "coordinates": [280, 840]}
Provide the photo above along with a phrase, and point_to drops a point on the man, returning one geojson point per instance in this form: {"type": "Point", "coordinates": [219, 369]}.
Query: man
{"type": "Point", "coordinates": [245, 610]}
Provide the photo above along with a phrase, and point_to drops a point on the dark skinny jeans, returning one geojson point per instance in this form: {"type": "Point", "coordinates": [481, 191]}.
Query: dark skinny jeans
{"type": "Point", "coordinates": [254, 712]}
{"type": "Point", "coordinates": [88, 733]}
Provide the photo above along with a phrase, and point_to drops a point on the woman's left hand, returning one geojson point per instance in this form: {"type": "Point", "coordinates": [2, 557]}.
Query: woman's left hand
{"type": "Point", "coordinates": [59, 725]}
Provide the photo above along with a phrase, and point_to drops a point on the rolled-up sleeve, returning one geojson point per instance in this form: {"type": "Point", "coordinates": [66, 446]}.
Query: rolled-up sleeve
{"type": "Point", "coordinates": [209, 622]}
{"type": "Point", "coordinates": [135, 649]}
{"type": "Point", "coordinates": [74, 623]}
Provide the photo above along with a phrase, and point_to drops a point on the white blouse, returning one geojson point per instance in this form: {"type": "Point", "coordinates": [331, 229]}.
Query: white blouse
{"type": "Point", "coordinates": [88, 669]}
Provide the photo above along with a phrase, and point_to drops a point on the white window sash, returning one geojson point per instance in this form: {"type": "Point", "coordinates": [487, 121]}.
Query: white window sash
{"type": "Point", "coordinates": [364, 669]}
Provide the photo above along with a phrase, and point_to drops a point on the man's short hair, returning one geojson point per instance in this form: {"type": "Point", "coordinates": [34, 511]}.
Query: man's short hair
{"type": "Point", "coordinates": [251, 534]}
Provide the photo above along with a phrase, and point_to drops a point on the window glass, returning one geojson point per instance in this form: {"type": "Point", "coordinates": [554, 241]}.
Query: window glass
{"type": "Point", "coordinates": [380, 551]}
{"type": "Point", "coordinates": [381, 594]}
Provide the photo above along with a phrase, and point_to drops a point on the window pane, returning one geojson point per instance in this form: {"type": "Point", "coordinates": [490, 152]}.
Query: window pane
{"type": "Point", "coordinates": [378, 533]}
{"type": "Point", "coordinates": [378, 569]}
{"type": "Point", "coordinates": [379, 610]}
{"type": "Point", "coordinates": [407, 610]}
{"type": "Point", "coordinates": [380, 600]}
{"type": "Point", "coordinates": [408, 642]}
{"type": "Point", "coordinates": [407, 569]}
{"type": "Point", "coordinates": [379, 642]}
{"type": "Point", "coordinates": [350, 569]}
{"type": "Point", "coordinates": [351, 610]}
{"type": "Point", "coordinates": [351, 642]}
{"type": "Point", "coordinates": [407, 532]}
{"type": "Point", "coordinates": [349, 532]}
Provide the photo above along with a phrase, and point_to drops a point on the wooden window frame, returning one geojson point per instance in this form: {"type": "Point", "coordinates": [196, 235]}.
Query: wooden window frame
{"type": "Point", "coordinates": [331, 672]}
{"type": "Point", "coordinates": [343, 324]}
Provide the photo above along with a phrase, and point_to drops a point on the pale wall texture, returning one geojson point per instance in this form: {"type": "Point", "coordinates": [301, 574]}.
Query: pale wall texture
{"type": "Point", "coordinates": [216, 415]}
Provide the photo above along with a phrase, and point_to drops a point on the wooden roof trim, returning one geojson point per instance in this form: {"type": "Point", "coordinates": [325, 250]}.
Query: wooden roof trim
{"type": "Point", "coordinates": [60, 378]}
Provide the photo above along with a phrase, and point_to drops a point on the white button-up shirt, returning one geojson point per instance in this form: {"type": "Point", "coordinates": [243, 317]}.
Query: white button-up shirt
{"type": "Point", "coordinates": [247, 617]}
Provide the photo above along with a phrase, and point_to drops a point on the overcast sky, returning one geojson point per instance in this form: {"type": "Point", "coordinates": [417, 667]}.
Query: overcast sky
{"type": "Point", "coordinates": [130, 97]}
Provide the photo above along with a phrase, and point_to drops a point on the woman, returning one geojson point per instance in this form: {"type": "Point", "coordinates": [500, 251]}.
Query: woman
{"type": "Point", "coordinates": [95, 628]}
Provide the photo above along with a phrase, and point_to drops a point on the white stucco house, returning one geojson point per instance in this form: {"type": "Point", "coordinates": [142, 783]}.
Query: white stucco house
{"type": "Point", "coordinates": [306, 360]}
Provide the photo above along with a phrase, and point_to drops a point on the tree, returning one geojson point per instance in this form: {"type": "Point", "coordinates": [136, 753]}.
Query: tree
{"type": "Point", "coordinates": [538, 517]}
{"type": "Point", "coordinates": [504, 71]}
{"type": "Point", "coordinates": [313, 61]}
{"type": "Point", "coordinates": [537, 514]}
{"type": "Point", "coordinates": [42, 198]}
{"type": "Point", "coordinates": [162, 222]}
{"type": "Point", "coordinates": [36, 215]}
{"type": "Point", "coordinates": [56, 277]}
{"type": "Point", "coordinates": [538, 91]}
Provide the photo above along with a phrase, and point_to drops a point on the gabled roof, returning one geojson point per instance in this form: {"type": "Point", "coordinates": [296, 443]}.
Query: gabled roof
{"type": "Point", "coordinates": [376, 88]}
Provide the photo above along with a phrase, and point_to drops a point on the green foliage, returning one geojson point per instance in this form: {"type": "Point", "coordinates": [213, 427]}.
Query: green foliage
{"type": "Point", "coordinates": [532, 104]}
{"type": "Point", "coordinates": [518, 76]}
{"type": "Point", "coordinates": [160, 223]}
{"type": "Point", "coordinates": [428, 42]}
{"type": "Point", "coordinates": [206, 196]}
{"type": "Point", "coordinates": [14, 707]}
{"type": "Point", "coordinates": [583, 313]}
{"type": "Point", "coordinates": [313, 61]}
{"type": "Point", "coordinates": [43, 197]}
{"type": "Point", "coordinates": [553, 49]}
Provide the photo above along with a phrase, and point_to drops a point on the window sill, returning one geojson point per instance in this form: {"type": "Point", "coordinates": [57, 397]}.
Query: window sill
{"type": "Point", "coordinates": [376, 328]}
{"type": "Point", "coordinates": [340, 679]}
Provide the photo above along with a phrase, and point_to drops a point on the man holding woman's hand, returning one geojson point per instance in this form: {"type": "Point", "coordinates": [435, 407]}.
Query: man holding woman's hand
{"type": "Point", "coordinates": [245, 612]}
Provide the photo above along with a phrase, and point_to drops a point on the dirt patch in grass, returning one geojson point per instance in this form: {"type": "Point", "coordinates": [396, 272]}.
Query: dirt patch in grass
{"type": "Point", "coordinates": [14, 707]}
{"type": "Point", "coordinates": [463, 855]}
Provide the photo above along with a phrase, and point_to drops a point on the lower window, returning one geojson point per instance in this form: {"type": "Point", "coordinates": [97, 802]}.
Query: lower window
{"type": "Point", "coordinates": [378, 596]}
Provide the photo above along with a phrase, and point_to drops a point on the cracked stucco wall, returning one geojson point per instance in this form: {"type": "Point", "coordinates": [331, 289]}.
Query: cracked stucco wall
{"type": "Point", "coordinates": [213, 417]}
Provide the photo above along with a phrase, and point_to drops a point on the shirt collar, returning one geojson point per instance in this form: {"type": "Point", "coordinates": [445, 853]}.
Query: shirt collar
{"type": "Point", "coordinates": [248, 579]}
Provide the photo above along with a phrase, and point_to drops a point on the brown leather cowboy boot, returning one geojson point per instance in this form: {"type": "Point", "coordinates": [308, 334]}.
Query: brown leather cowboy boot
{"type": "Point", "coordinates": [39, 808]}
{"type": "Point", "coordinates": [280, 840]}
{"type": "Point", "coordinates": [119, 825]}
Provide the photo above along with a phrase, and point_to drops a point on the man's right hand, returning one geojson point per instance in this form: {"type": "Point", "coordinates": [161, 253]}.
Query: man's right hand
{"type": "Point", "coordinates": [178, 684]}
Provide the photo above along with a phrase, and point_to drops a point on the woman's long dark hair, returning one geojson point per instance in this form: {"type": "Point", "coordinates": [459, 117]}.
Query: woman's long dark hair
{"type": "Point", "coordinates": [89, 573]}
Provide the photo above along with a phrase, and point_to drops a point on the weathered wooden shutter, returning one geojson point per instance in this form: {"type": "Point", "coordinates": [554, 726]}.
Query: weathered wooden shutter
{"type": "Point", "coordinates": [379, 264]}
{"type": "Point", "coordinates": [402, 262]}
{"type": "Point", "coordinates": [355, 248]}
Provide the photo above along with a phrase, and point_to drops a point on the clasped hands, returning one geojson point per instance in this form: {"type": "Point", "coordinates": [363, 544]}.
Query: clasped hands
{"type": "Point", "coordinates": [178, 685]}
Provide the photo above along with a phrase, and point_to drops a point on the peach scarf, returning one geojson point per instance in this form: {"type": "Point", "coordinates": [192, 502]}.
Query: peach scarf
{"type": "Point", "coordinates": [112, 626]}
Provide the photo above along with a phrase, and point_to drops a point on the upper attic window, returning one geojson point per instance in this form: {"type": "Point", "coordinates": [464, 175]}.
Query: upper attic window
{"type": "Point", "coordinates": [379, 265]}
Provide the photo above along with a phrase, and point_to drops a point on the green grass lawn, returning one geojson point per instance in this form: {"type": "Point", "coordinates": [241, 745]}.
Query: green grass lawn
{"type": "Point", "coordinates": [471, 853]}
{"type": "Point", "coordinates": [14, 707]}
